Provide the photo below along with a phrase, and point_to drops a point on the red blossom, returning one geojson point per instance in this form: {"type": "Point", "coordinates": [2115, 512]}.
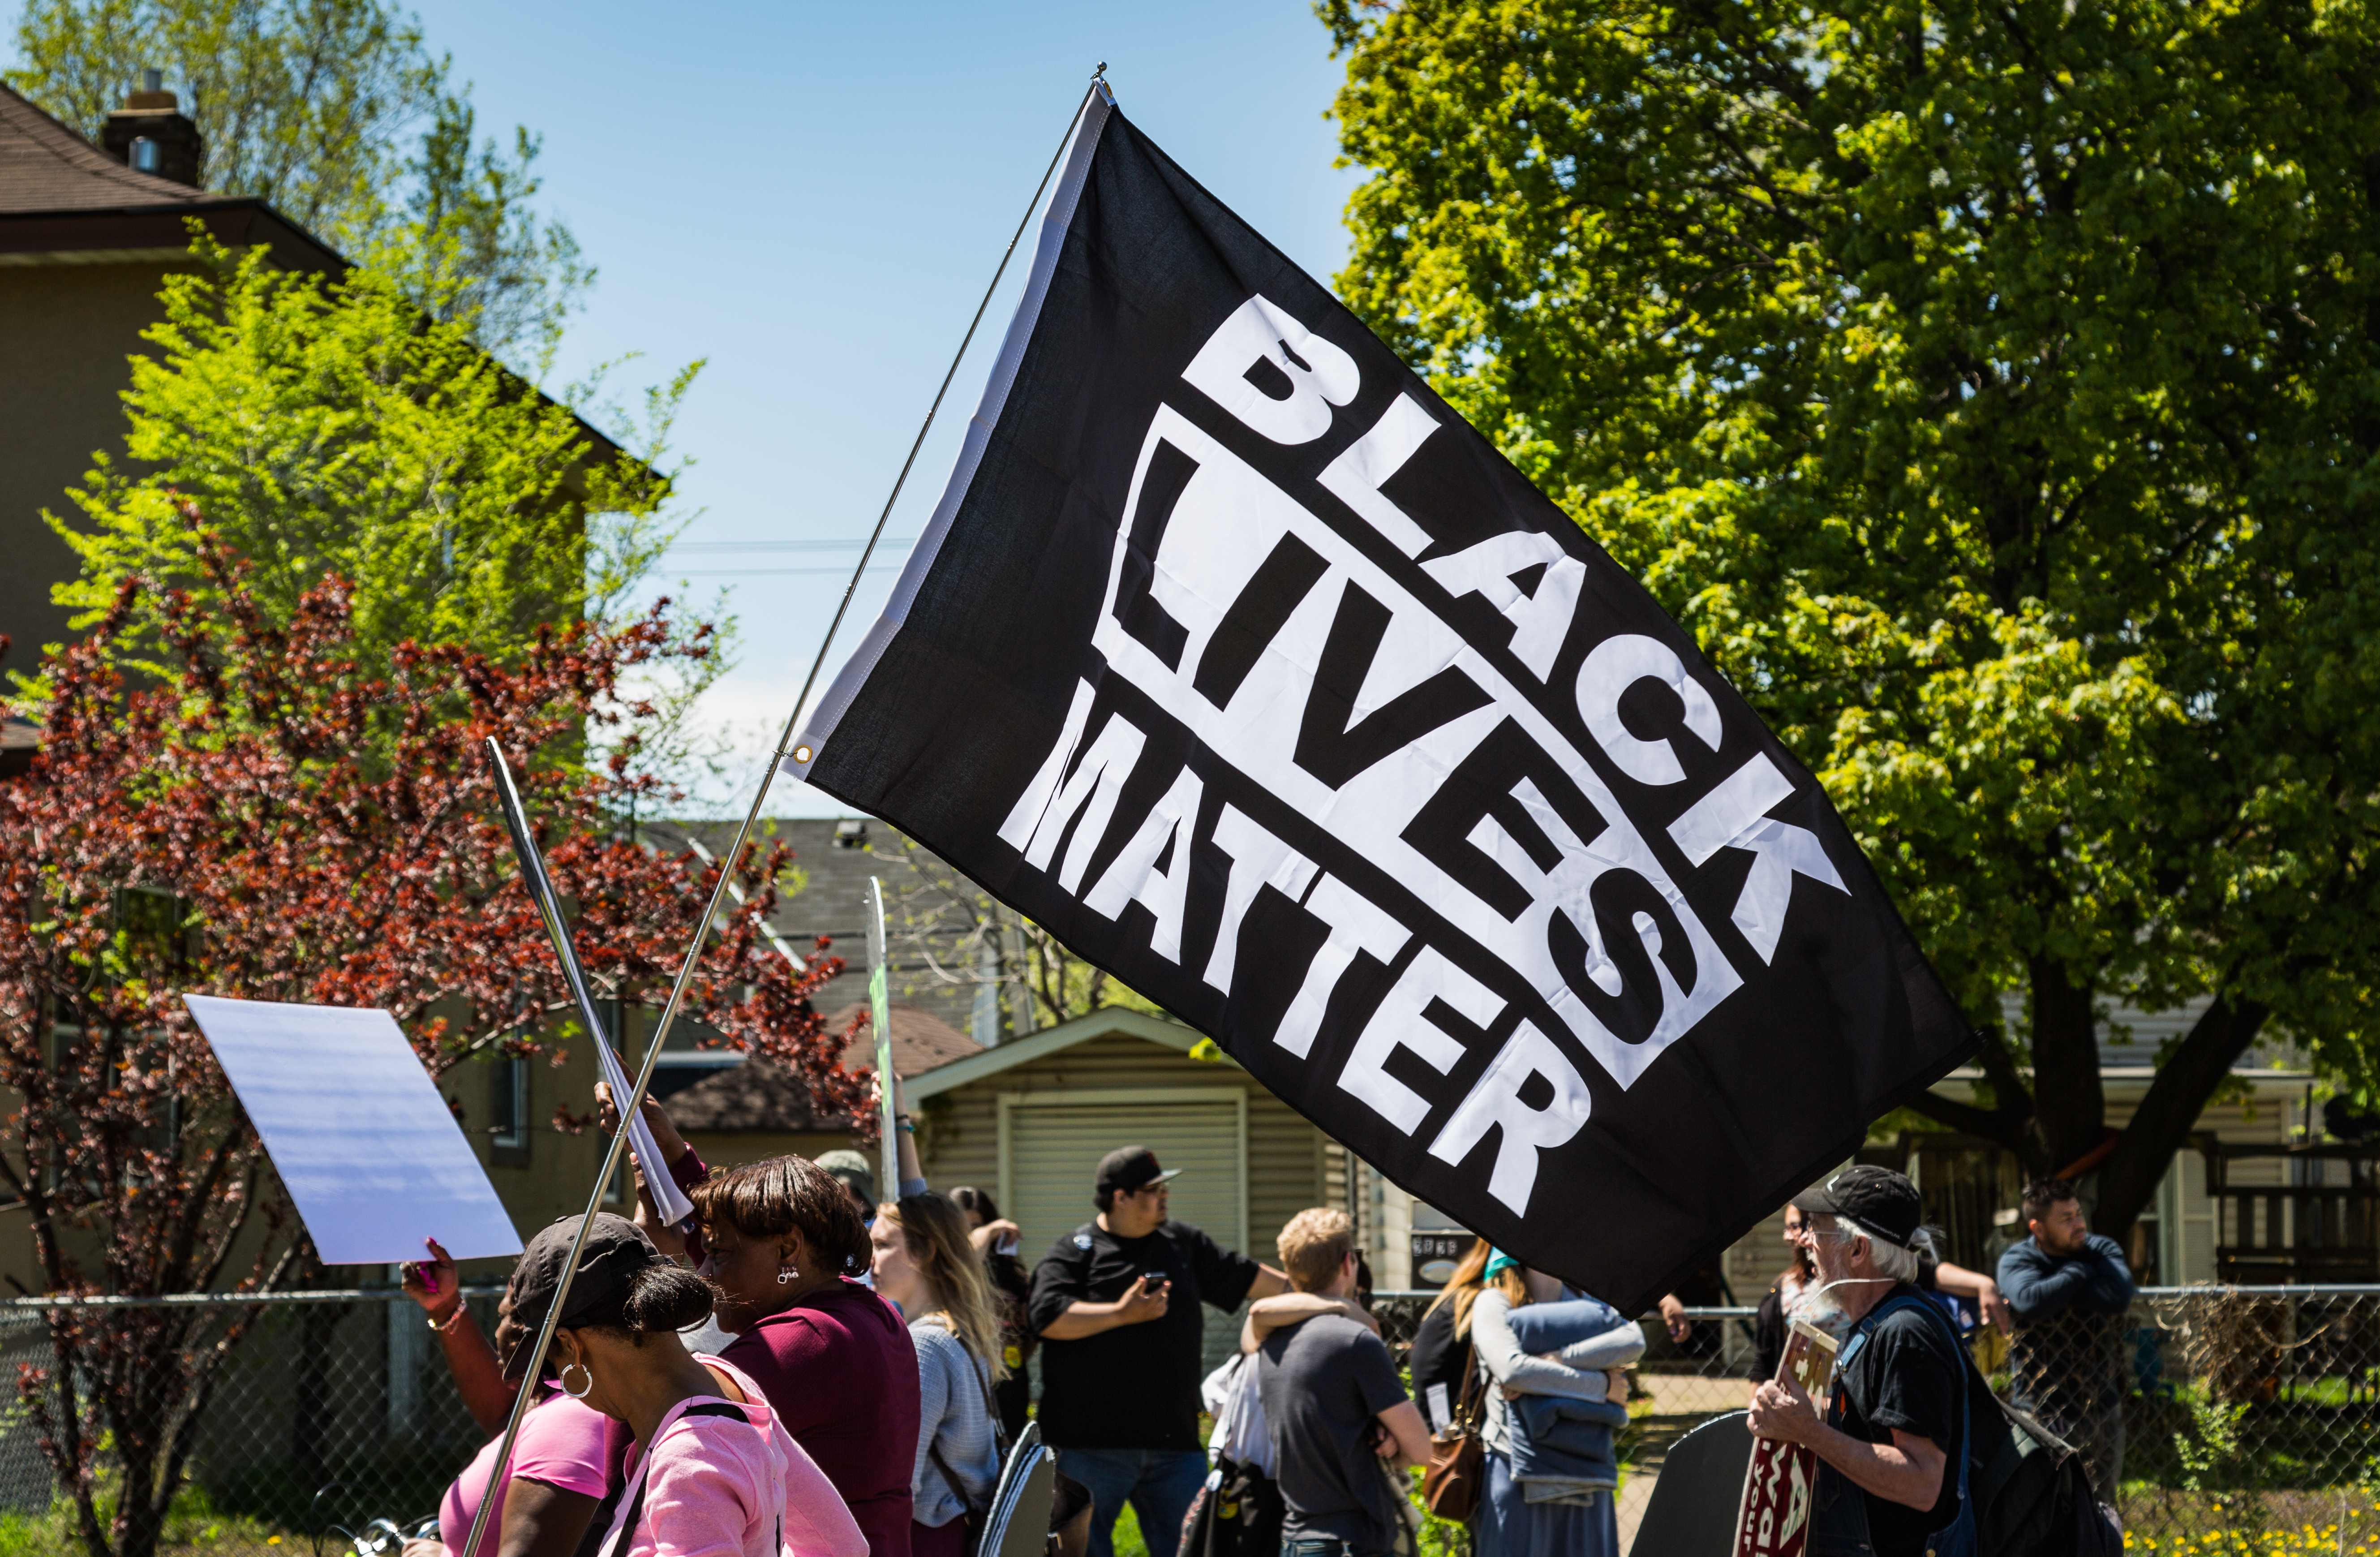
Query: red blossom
{"type": "Point", "coordinates": [268, 819]}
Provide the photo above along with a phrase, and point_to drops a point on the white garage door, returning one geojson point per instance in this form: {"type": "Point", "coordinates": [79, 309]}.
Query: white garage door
{"type": "Point", "coordinates": [1048, 1151]}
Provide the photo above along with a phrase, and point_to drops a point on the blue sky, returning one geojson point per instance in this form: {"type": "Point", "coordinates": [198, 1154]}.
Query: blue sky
{"type": "Point", "coordinates": [812, 198]}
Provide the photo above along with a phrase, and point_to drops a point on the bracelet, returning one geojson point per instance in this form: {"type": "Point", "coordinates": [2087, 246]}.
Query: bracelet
{"type": "Point", "coordinates": [461, 1311]}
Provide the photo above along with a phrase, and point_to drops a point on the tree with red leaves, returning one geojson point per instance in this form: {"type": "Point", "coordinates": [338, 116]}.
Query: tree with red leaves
{"type": "Point", "coordinates": [273, 820]}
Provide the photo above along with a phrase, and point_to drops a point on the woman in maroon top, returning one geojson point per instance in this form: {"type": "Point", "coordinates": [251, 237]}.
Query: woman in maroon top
{"type": "Point", "coordinates": [779, 1240]}
{"type": "Point", "coordinates": [833, 1358]}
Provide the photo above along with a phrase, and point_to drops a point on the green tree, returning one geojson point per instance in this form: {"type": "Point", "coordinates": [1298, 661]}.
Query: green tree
{"type": "Point", "coordinates": [337, 112]}
{"type": "Point", "coordinates": [1991, 389]}
{"type": "Point", "coordinates": [324, 426]}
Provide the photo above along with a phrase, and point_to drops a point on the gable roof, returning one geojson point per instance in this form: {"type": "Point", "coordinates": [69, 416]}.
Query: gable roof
{"type": "Point", "coordinates": [835, 856]}
{"type": "Point", "coordinates": [47, 166]}
{"type": "Point", "coordinates": [64, 200]}
{"type": "Point", "coordinates": [1109, 1021]}
{"type": "Point", "coordinates": [760, 1094]}
{"type": "Point", "coordinates": [921, 1041]}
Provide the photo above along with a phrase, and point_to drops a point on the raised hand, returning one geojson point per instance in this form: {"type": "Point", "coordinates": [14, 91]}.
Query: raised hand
{"type": "Point", "coordinates": [656, 1118]}
{"type": "Point", "coordinates": [433, 1283]}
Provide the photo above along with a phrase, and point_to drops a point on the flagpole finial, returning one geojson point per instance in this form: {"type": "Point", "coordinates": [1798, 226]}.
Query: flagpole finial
{"type": "Point", "coordinates": [1101, 73]}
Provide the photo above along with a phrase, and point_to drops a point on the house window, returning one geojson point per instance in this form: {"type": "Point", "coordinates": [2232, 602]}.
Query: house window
{"type": "Point", "coordinates": [508, 1108]}
{"type": "Point", "coordinates": [146, 156]}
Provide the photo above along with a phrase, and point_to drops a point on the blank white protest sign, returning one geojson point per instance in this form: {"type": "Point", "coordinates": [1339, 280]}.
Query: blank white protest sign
{"type": "Point", "coordinates": [356, 1131]}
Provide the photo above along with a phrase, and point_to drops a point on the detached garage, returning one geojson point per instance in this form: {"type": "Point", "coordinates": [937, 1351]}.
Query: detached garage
{"type": "Point", "coordinates": [1030, 1119]}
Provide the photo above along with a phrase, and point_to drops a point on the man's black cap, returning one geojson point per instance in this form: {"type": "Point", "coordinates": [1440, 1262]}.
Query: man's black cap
{"type": "Point", "coordinates": [1877, 1198]}
{"type": "Point", "coordinates": [617, 1249]}
{"type": "Point", "coordinates": [1129, 1168]}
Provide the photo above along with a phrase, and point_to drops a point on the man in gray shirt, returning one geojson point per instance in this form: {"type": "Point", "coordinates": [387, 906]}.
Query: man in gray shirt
{"type": "Point", "coordinates": [1340, 1421]}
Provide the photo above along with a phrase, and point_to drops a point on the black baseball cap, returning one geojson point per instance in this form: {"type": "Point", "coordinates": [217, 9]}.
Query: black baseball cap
{"type": "Point", "coordinates": [1882, 1202]}
{"type": "Point", "coordinates": [1129, 1168]}
{"type": "Point", "coordinates": [617, 1249]}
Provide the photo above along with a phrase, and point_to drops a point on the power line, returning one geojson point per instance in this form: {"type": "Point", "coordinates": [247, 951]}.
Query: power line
{"type": "Point", "coordinates": [852, 545]}
{"type": "Point", "coordinates": [769, 572]}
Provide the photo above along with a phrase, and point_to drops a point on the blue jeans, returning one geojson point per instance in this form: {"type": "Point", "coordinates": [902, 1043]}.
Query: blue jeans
{"type": "Point", "coordinates": [1159, 1483]}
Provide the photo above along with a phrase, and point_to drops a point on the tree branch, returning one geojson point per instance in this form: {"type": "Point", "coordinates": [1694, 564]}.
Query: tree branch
{"type": "Point", "coordinates": [2162, 1124]}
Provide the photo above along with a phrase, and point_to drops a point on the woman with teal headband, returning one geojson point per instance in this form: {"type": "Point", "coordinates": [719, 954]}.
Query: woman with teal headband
{"type": "Point", "coordinates": [1553, 1360]}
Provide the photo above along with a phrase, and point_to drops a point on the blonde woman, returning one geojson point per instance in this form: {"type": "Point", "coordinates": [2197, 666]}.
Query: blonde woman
{"type": "Point", "coordinates": [1441, 1355]}
{"type": "Point", "coordinates": [927, 1265]}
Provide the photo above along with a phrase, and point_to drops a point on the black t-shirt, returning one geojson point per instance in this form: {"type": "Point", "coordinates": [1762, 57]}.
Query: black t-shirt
{"type": "Point", "coordinates": [1136, 1386]}
{"type": "Point", "coordinates": [1325, 1383]}
{"type": "Point", "coordinates": [1906, 1375]}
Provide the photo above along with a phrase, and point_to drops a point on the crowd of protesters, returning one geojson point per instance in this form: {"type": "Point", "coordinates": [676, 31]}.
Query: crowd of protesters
{"type": "Point", "coordinates": [803, 1367]}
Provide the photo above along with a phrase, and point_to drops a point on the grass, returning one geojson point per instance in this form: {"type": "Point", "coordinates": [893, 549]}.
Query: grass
{"type": "Point", "coordinates": [1129, 1542]}
{"type": "Point", "coordinates": [2328, 1540]}
{"type": "Point", "coordinates": [194, 1524]}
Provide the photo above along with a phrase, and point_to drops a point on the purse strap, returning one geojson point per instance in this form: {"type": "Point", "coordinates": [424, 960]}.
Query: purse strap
{"type": "Point", "coordinates": [1466, 1406]}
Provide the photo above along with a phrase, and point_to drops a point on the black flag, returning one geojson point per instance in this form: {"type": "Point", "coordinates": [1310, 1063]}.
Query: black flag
{"type": "Point", "coordinates": [1236, 660]}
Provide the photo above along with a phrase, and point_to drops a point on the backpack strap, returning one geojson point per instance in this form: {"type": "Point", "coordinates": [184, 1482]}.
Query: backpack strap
{"type": "Point", "coordinates": [624, 1529]}
{"type": "Point", "coordinates": [1946, 1540]}
{"type": "Point", "coordinates": [982, 1376]}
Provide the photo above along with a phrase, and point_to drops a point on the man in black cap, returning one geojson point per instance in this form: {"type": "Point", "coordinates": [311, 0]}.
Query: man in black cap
{"type": "Point", "coordinates": [1894, 1434]}
{"type": "Point", "coordinates": [1116, 1304]}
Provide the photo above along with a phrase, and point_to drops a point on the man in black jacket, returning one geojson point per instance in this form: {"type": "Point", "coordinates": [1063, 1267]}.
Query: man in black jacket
{"type": "Point", "coordinates": [2072, 1292]}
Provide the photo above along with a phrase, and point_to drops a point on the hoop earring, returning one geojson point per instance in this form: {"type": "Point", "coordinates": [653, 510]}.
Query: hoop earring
{"type": "Point", "coordinates": [786, 1274]}
{"type": "Point", "coordinates": [563, 1379]}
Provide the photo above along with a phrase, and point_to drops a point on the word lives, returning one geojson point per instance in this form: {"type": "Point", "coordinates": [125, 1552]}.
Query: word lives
{"type": "Point", "coordinates": [1329, 678]}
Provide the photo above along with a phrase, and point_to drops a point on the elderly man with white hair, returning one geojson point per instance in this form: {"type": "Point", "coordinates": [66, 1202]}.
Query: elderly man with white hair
{"type": "Point", "coordinates": [1892, 1437]}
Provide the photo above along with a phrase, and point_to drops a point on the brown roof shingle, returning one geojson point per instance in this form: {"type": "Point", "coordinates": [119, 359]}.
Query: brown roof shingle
{"type": "Point", "coordinates": [45, 166]}
{"type": "Point", "coordinates": [762, 1095]}
{"type": "Point", "coordinates": [920, 1041]}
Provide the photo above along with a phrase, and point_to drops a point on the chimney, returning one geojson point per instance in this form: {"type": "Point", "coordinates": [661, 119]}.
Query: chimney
{"type": "Point", "coordinates": [149, 135]}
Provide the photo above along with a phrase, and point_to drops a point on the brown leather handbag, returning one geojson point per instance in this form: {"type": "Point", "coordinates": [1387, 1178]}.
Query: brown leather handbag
{"type": "Point", "coordinates": [1456, 1477]}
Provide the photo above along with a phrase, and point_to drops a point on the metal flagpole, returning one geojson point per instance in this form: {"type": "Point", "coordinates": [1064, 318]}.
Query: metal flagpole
{"type": "Point", "coordinates": [879, 1014]}
{"type": "Point", "coordinates": [734, 859]}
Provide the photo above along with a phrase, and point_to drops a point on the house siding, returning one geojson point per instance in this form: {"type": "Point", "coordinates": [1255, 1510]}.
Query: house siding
{"type": "Point", "coordinates": [958, 1131]}
{"type": "Point", "coordinates": [2187, 1246]}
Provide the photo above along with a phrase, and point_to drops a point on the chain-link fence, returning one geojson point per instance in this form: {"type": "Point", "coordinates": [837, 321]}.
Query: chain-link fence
{"type": "Point", "coordinates": [2239, 1411]}
{"type": "Point", "coordinates": [332, 1410]}
{"type": "Point", "coordinates": [2244, 1411]}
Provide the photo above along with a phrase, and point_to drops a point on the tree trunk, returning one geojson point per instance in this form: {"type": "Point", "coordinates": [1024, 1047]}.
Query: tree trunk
{"type": "Point", "coordinates": [2069, 1104]}
{"type": "Point", "coordinates": [143, 1375]}
{"type": "Point", "coordinates": [2161, 1125]}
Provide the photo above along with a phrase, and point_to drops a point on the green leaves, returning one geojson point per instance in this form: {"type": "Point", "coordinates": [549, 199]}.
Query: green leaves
{"type": "Point", "coordinates": [337, 114]}
{"type": "Point", "coordinates": [330, 428]}
{"type": "Point", "coordinates": [1991, 389]}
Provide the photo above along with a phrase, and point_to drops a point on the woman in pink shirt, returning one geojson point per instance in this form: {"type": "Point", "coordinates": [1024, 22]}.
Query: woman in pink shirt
{"type": "Point", "coordinates": [567, 1457]}
{"type": "Point", "coordinates": [781, 1241]}
{"type": "Point", "coordinates": [712, 1473]}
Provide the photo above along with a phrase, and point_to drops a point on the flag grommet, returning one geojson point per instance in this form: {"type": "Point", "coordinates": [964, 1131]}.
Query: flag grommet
{"type": "Point", "coordinates": [801, 754]}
